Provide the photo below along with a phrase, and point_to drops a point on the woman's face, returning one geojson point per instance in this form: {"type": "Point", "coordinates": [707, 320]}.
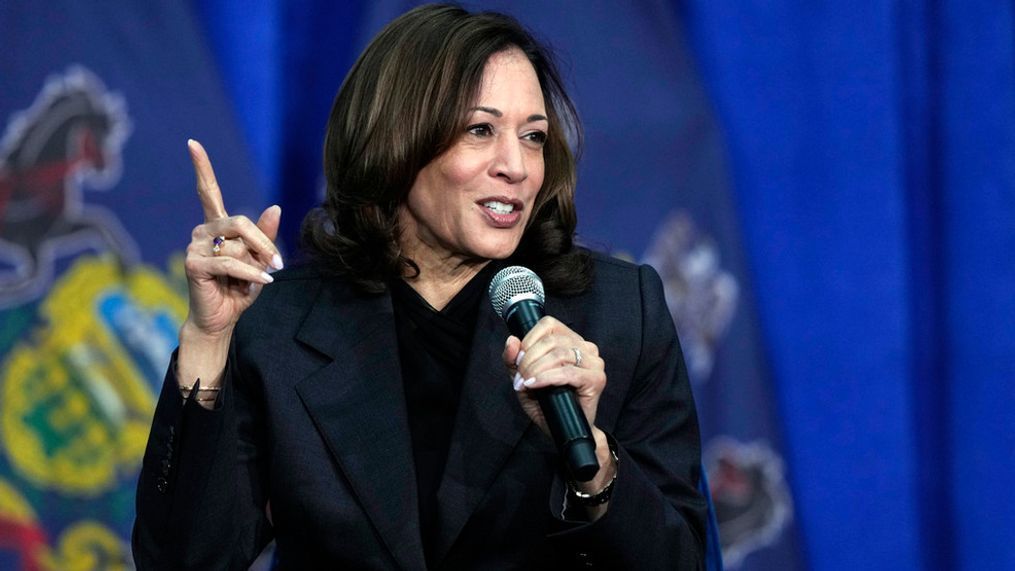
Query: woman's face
{"type": "Point", "coordinates": [473, 201]}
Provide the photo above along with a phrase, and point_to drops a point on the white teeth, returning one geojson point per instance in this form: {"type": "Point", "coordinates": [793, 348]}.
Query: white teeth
{"type": "Point", "coordinates": [499, 207]}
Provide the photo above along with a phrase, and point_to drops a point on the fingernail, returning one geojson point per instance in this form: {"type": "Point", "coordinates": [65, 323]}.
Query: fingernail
{"type": "Point", "coordinates": [276, 262]}
{"type": "Point", "coordinates": [530, 382]}
{"type": "Point", "coordinates": [253, 287]}
{"type": "Point", "coordinates": [518, 381]}
{"type": "Point", "coordinates": [518, 359]}
{"type": "Point", "coordinates": [267, 277]}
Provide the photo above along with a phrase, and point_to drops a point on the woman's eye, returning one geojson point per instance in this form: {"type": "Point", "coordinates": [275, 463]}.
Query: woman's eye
{"type": "Point", "coordinates": [481, 129]}
{"type": "Point", "coordinates": [536, 137]}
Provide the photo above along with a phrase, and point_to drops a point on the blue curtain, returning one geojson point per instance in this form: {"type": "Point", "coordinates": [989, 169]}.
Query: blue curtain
{"type": "Point", "coordinates": [873, 153]}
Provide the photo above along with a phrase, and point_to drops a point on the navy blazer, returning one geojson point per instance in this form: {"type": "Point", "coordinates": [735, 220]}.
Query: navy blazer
{"type": "Point", "coordinates": [309, 444]}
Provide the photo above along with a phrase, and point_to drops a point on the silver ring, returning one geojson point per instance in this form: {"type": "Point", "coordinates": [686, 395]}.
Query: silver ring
{"type": "Point", "coordinates": [577, 357]}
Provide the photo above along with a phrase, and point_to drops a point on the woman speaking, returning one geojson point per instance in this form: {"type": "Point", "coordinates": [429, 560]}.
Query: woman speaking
{"type": "Point", "coordinates": [369, 409]}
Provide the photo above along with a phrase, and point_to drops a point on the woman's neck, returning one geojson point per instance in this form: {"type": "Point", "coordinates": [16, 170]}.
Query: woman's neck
{"type": "Point", "coordinates": [441, 278]}
{"type": "Point", "coordinates": [442, 272]}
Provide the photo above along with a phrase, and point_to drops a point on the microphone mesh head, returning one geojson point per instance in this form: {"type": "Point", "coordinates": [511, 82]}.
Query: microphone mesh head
{"type": "Point", "coordinates": [513, 284]}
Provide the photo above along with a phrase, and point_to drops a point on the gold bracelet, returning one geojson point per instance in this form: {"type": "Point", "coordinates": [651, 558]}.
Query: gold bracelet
{"type": "Point", "coordinates": [191, 387]}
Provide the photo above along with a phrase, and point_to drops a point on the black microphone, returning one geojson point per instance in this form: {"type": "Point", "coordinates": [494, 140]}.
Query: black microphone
{"type": "Point", "coordinates": [517, 296]}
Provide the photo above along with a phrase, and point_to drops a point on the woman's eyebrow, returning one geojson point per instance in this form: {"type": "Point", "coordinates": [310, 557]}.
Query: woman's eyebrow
{"type": "Point", "coordinates": [498, 113]}
{"type": "Point", "coordinates": [490, 110]}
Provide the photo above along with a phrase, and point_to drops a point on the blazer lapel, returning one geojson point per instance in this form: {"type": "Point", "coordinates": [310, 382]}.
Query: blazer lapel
{"type": "Point", "coordinates": [357, 402]}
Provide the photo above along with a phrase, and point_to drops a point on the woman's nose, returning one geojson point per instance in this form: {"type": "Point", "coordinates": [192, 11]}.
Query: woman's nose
{"type": "Point", "coordinates": [509, 162]}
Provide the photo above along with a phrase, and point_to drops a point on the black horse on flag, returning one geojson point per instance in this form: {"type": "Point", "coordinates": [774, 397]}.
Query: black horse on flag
{"type": "Point", "coordinates": [69, 138]}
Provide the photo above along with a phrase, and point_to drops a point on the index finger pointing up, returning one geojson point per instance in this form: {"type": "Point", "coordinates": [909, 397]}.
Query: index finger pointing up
{"type": "Point", "coordinates": [207, 187]}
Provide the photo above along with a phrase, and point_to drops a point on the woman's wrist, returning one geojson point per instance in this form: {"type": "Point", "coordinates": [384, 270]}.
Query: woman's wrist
{"type": "Point", "coordinates": [201, 357]}
{"type": "Point", "coordinates": [607, 465]}
{"type": "Point", "coordinates": [594, 496]}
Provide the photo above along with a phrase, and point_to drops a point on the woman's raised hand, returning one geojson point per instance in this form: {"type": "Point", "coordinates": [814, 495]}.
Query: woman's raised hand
{"type": "Point", "coordinates": [228, 256]}
{"type": "Point", "coordinates": [226, 265]}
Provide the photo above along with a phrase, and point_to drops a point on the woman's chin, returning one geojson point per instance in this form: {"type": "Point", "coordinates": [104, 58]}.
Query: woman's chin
{"type": "Point", "coordinates": [496, 252]}
{"type": "Point", "coordinates": [495, 247]}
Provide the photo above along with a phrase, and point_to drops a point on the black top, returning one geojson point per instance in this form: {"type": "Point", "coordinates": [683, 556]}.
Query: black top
{"type": "Point", "coordinates": [434, 347]}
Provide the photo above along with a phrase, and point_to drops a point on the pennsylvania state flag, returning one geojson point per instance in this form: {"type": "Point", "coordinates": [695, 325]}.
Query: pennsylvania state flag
{"type": "Point", "coordinates": [96, 205]}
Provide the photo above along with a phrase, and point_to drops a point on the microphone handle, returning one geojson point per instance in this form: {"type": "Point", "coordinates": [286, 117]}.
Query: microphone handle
{"type": "Point", "coordinates": [564, 417]}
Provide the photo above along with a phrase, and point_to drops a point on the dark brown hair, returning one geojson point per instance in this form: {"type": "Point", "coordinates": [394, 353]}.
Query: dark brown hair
{"type": "Point", "coordinates": [403, 104]}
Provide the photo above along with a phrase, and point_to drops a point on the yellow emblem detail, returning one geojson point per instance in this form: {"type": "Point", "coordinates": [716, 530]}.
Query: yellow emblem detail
{"type": "Point", "coordinates": [13, 507]}
{"type": "Point", "coordinates": [85, 546]}
{"type": "Point", "coordinates": [78, 395]}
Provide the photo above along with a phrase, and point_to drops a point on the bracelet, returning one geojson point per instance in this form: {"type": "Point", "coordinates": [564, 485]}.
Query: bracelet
{"type": "Point", "coordinates": [602, 496]}
{"type": "Point", "coordinates": [188, 390]}
{"type": "Point", "coordinates": [200, 389]}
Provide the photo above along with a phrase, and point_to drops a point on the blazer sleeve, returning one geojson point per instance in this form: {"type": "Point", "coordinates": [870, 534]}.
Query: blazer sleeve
{"type": "Point", "coordinates": [656, 516]}
{"type": "Point", "coordinates": [201, 494]}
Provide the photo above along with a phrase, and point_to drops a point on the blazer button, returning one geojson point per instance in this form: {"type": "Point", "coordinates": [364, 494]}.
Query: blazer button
{"type": "Point", "coordinates": [161, 485]}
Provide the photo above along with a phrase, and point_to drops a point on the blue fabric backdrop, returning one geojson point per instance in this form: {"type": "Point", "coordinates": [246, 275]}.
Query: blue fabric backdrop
{"type": "Point", "coordinates": [873, 147]}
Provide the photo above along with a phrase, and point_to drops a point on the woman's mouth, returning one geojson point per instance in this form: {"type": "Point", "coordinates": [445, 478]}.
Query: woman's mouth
{"type": "Point", "coordinates": [501, 213]}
